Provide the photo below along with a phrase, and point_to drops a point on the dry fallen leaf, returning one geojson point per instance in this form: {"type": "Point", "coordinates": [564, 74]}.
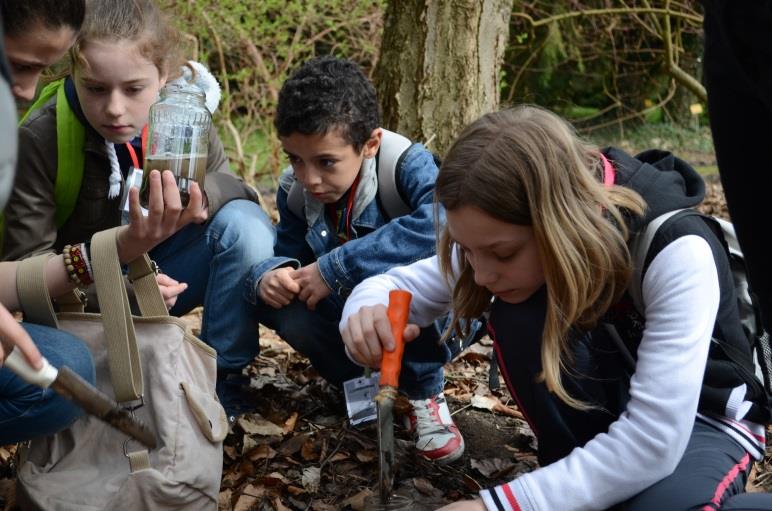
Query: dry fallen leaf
{"type": "Point", "coordinates": [339, 456]}
{"type": "Point", "coordinates": [472, 484]}
{"type": "Point", "coordinates": [310, 450]}
{"type": "Point", "coordinates": [252, 490]}
{"type": "Point", "coordinates": [311, 478]}
{"type": "Point", "coordinates": [293, 445]}
{"type": "Point", "coordinates": [244, 503]}
{"type": "Point", "coordinates": [491, 467]}
{"type": "Point", "coordinates": [289, 424]}
{"type": "Point", "coordinates": [260, 426]}
{"type": "Point", "coordinates": [425, 487]}
{"type": "Point", "coordinates": [357, 502]}
{"type": "Point", "coordinates": [261, 452]}
{"type": "Point", "coordinates": [367, 456]}
{"type": "Point", "coordinates": [492, 404]}
{"type": "Point", "coordinates": [278, 506]}
{"type": "Point", "coordinates": [224, 500]}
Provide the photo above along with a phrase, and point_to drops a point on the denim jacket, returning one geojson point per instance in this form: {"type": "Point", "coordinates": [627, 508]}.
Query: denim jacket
{"type": "Point", "coordinates": [377, 243]}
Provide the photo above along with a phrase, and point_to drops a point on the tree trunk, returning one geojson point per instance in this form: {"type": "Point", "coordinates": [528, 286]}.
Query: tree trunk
{"type": "Point", "coordinates": [439, 66]}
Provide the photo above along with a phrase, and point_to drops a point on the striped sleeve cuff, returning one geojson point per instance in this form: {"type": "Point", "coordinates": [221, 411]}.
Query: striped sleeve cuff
{"type": "Point", "coordinates": [502, 498]}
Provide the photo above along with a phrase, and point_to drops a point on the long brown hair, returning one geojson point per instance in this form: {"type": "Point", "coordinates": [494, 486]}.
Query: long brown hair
{"type": "Point", "coordinates": [132, 20]}
{"type": "Point", "coordinates": [527, 166]}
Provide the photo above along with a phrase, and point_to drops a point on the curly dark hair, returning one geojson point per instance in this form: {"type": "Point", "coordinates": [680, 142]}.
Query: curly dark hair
{"type": "Point", "coordinates": [328, 93]}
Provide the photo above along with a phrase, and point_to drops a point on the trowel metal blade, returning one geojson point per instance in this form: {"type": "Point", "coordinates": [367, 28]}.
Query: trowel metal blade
{"type": "Point", "coordinates": [385, 409]}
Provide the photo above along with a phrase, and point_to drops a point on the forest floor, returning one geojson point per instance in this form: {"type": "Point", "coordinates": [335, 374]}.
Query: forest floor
{"type": "Point", "coordinates": [300, 453]}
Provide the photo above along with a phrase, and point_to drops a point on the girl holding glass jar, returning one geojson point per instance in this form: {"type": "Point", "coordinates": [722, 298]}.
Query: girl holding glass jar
{"type": "Point", "coordinates": [70, 189]}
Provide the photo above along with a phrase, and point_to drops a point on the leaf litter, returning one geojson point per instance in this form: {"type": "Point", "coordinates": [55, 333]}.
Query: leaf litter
{"type": "Point", "coordinates": [300, 453]}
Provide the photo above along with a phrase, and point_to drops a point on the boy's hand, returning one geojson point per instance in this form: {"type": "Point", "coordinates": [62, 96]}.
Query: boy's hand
{"type": "Point", "coordinates": [278, 288]}
{"type": "Point", "coordinates": [368, 333]}
{"type": "Point", "coordinates": [465, 505]}
{"type": "Point", "coordinates": [170, 289]}
{"type": "Point", "coordinates": [313, 288]}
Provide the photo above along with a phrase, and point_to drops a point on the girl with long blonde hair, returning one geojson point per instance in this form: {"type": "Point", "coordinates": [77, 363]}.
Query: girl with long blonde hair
{"type": "Point", "coordinates": [634, 409]}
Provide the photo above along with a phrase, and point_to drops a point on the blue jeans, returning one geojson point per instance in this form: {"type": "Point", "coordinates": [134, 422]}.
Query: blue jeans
{"type": "Point", "coordinates": [213, 260]}
{"type": "Point", "coordinates": [27, 411]}
{"type": "Point", "coordinates": [315, 334]}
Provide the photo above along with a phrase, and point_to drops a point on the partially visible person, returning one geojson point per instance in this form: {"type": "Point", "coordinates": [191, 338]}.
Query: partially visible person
{"type": "Point", "coordinates": [328, 122]}
{"type": "Point", "coordinates": [47, 412]}
{"type": "Point", "coordinates": [124, 53]}
{"type": "Point", "coordinates": [27, 411]}
{"type": "Point", "coordinates": [38, 33]}
{"type": "Point", "coordinates": [640, 411]}
{"type": "Point", "coordinates": [738, 77]}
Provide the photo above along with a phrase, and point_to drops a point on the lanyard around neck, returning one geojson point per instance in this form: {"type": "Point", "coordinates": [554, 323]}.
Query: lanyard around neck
{"type": "Point", "coordinates": [333, 211]}
{"type": "Point", "coordinates": [133, 153]}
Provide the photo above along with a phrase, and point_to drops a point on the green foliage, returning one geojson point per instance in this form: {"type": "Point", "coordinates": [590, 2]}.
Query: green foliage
{"type": "Point", "coordinates": [581, 55]}
{"type": "Point", "coordinates": [654, 115]}
{"type": "Point", "coordinates": [578, 112]}
{"type": "Point", "coordinates": [694, 144]}
{"type": "Point", "coordinates": [252, 46]}
{"type": "Point", "coordinates": [597, 69]}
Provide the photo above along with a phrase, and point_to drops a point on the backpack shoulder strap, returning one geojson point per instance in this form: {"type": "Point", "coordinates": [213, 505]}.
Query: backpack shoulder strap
{"type": "Point", "coordinates": [295, 199]}
{"type": "Point", "coordinates": [70, 143]}
{"type": "Point", "coordinates": [639, 248]}
{"type": "Point", "coordinates": [390, 155]}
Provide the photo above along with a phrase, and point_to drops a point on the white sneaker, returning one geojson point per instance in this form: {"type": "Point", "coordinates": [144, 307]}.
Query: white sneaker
{"type": "Point", "coordinates": [437, 437]}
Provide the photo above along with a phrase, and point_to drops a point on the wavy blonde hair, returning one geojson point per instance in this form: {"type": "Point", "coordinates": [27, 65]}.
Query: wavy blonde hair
{"type": "Point", "coordinates": [140, 21]}
{"type": "Point", "coordinates": [527, 166]}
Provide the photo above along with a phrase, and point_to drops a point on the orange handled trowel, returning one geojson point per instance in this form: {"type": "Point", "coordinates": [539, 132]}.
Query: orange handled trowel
{"type": "Point", "coordinates": [70, 385]}
{"type": "Point", "coordinates": [398, 312]}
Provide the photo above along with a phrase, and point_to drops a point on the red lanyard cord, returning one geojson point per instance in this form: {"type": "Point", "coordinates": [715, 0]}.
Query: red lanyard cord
{"type": "Point", "coordinates": [333, 211]}
{"type": "Point", "coordinates": [133, 153]}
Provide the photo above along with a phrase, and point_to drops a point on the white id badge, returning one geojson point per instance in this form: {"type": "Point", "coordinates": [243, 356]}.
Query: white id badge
{"type": "Point", "coordinates": [359, 398]}
{"type": "Point", "coordinates": [133, 180]}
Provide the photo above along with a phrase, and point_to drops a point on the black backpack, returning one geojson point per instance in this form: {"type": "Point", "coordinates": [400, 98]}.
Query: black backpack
{"type": "Point", "coordinates": [750, 315]}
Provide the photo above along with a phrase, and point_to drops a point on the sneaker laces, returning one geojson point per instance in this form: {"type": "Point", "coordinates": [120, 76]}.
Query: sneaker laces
{"type": "Point", "coordinates": [428, 419]}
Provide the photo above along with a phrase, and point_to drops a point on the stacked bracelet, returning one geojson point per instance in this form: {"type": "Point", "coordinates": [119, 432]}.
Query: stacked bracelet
{"type": "Point", "coordinates": [77, 265]}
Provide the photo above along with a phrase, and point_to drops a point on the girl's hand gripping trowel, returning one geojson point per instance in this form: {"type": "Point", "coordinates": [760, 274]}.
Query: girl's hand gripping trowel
{"type": "Point", "coordinates": [398, 312]}
{"type": "Point", "coordinates": [70, 385]}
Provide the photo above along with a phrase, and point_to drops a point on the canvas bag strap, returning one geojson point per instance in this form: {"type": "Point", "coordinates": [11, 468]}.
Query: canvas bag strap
{"type": "Point", "coordinates": [142, 272]}
{"type": "Point", "coordinates": [32, 290]}
{"type": "Point", "coordinates": [123, 354]}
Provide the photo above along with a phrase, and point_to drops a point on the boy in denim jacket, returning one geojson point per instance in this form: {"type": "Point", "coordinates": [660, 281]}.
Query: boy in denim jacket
{"type": "Point", "coordinates": [328, 122]}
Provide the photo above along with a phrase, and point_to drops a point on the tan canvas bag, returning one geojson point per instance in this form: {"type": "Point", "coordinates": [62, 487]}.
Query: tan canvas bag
{"type": "Point", "coordinates": [152, 362]}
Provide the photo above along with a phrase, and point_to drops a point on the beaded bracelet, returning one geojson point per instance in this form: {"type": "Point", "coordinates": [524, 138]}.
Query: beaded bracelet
{"type": "Point", "coordinates": [76, 265]}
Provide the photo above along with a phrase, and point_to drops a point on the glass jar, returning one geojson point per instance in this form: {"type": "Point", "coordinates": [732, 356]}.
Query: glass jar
{"type": "Point", "coordinates": [178, 138]}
